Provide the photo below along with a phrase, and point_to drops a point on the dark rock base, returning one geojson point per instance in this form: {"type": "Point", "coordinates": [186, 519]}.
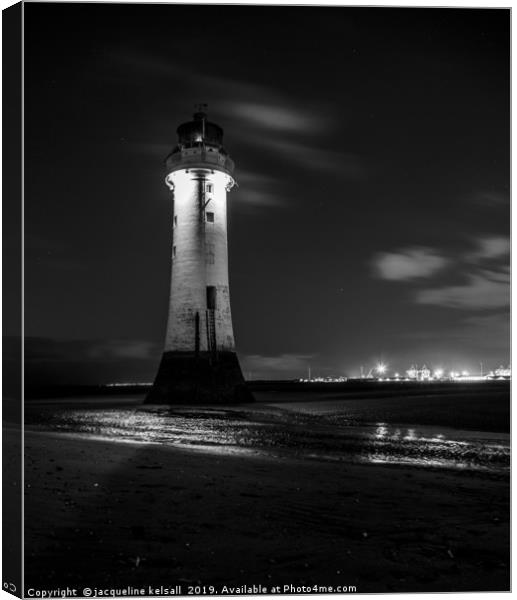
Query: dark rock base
{"type": "Point", "coordinates": [184, 378]}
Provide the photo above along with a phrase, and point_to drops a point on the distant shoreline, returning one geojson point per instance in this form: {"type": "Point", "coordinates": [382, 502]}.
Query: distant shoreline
{"type": "Point", "coordinates": [375, 388]}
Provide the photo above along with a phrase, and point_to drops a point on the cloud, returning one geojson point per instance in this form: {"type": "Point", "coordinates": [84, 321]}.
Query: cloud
{"type": "Point", "coordinates": [492, 198]}
{"type": "Point", "coordinates": [290, 134]}
{"type": "Point", "coordinates": [484, 289]}
{"type": "Point", "coordinates": [157, 151]}
{"type": "Point", "coordinates": [485, 335]}
{"type": "Point", "coordinates": [122, 349]}
{"type": "Point", "coordinates": [408, 263]}
{"type": "Point", "coordinates": [480, 288]}
{"type": "Point", "coordinates": [274, 116]}
{"type": "Point", "coordinates": [46, 349]}
{"type": "Point", "coordinates": [282, 364]}
{"type": "Point", "coordinates": [493, 328]}
{"type": "Point", "coordinates": [51, 361]}
{"type": "Point", "coordinates": [309, 156]}
{"type": "Point", "coordinates": [293, 134]}
{"type": "Point", "coordinates": [489, 248]}
{"type": "Point", "coordinates": [256, 189]}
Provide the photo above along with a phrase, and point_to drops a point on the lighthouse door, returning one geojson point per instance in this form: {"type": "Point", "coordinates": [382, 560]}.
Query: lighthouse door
{"type": "Point", "coordinates": [210, 297]}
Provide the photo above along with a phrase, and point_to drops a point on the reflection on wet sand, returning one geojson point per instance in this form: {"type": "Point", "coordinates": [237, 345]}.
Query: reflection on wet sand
{"type": "Point", "coordinates": [428, 447]}
{"type": "Point", "coordinates": [277, 432]}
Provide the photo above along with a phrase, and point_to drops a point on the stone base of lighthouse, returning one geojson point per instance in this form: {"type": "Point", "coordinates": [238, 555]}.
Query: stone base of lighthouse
{"type": "Point", "coordinates": [187, 378]}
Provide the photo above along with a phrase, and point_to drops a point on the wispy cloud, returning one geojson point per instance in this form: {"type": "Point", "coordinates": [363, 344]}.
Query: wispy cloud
{"type": "Point", "coordinates": [46, 349]}
{"type": "Point", "coordinates": [287, 365]}
{"type": "Point", "coordinates": [486, 333]}
{"type": "Point", "coordinates": [53, 361]}
{"type": "Point", "coordinates": [274, 116]}
{"type": "Point", "coordinates": [491, 198]}
{"type": "Point", "coordinates": [310, 156]}
{"type": "Point", "coordinates": [290, 134]}
{"type": "Point", "coordinates": [256, 189]}
{"type": "Point", "coordinates": [484, 289]}
{"type": "Point", "coordinates": [157, 151]}
{"type": "Point", "coordinates": [408, 263]}
{"type": "Point", "coordinates": [264, 117]}
{"type": "Point", "coordinates": [122, 349]}
{"type": "Point", "coordinates": [494, 328]}
{"type": "Point", "coordinates": [489, 248]}
{"type": "Point", "coordinates": [483, 273]}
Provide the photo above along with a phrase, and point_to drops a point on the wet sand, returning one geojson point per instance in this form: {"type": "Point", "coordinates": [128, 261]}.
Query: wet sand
{"type": "Point", "coordinates": [118, 513]}
{"type": "Point", "coordinates": [379, 430]}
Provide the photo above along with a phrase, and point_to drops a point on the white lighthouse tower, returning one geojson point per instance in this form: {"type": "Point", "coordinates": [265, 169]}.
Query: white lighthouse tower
{"type": "Point", "coordinates": [199, 363]}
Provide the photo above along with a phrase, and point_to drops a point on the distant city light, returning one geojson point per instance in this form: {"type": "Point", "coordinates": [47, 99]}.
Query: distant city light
{"type": "Point", "coordinates": [129, 383]}
{"type": "Point", "coordinates": [422, 374]}
{"type": "Point", "coordinates": [339, 379]}
{"type": "Point", "coordinates": [502, 372]}
{"type": "Point", "coordinates": [415, 373]}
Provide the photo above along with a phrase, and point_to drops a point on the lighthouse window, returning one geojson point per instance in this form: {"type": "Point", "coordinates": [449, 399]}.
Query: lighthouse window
{"type": "Point", "coordinates": [175, 221]}
{"type": "Point", "coordinates": [209, 188]}
{"type": "Point", "coordinates": [210, 297]}
{"type": "Point", "coordinates": [174, 252]}
{"type": "Point", "coordinates": [210, 217]}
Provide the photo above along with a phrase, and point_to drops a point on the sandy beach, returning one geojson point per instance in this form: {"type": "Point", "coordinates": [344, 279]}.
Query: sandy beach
{"type": "Point", "coordinates": [118, 513]}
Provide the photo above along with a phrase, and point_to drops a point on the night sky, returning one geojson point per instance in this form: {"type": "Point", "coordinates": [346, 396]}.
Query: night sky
{"type": "Point", "coordinates": [372, 156]}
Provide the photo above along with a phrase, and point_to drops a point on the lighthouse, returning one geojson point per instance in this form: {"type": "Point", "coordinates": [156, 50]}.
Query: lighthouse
{"type": "Point", "coordinates": [199, 362]}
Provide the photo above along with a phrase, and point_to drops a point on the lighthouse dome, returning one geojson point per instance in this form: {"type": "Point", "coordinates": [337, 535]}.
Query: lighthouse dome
{"type": "Point", "coordinates": [200, 145]}
{"type": "Point", "coordinates": [200, 131]}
